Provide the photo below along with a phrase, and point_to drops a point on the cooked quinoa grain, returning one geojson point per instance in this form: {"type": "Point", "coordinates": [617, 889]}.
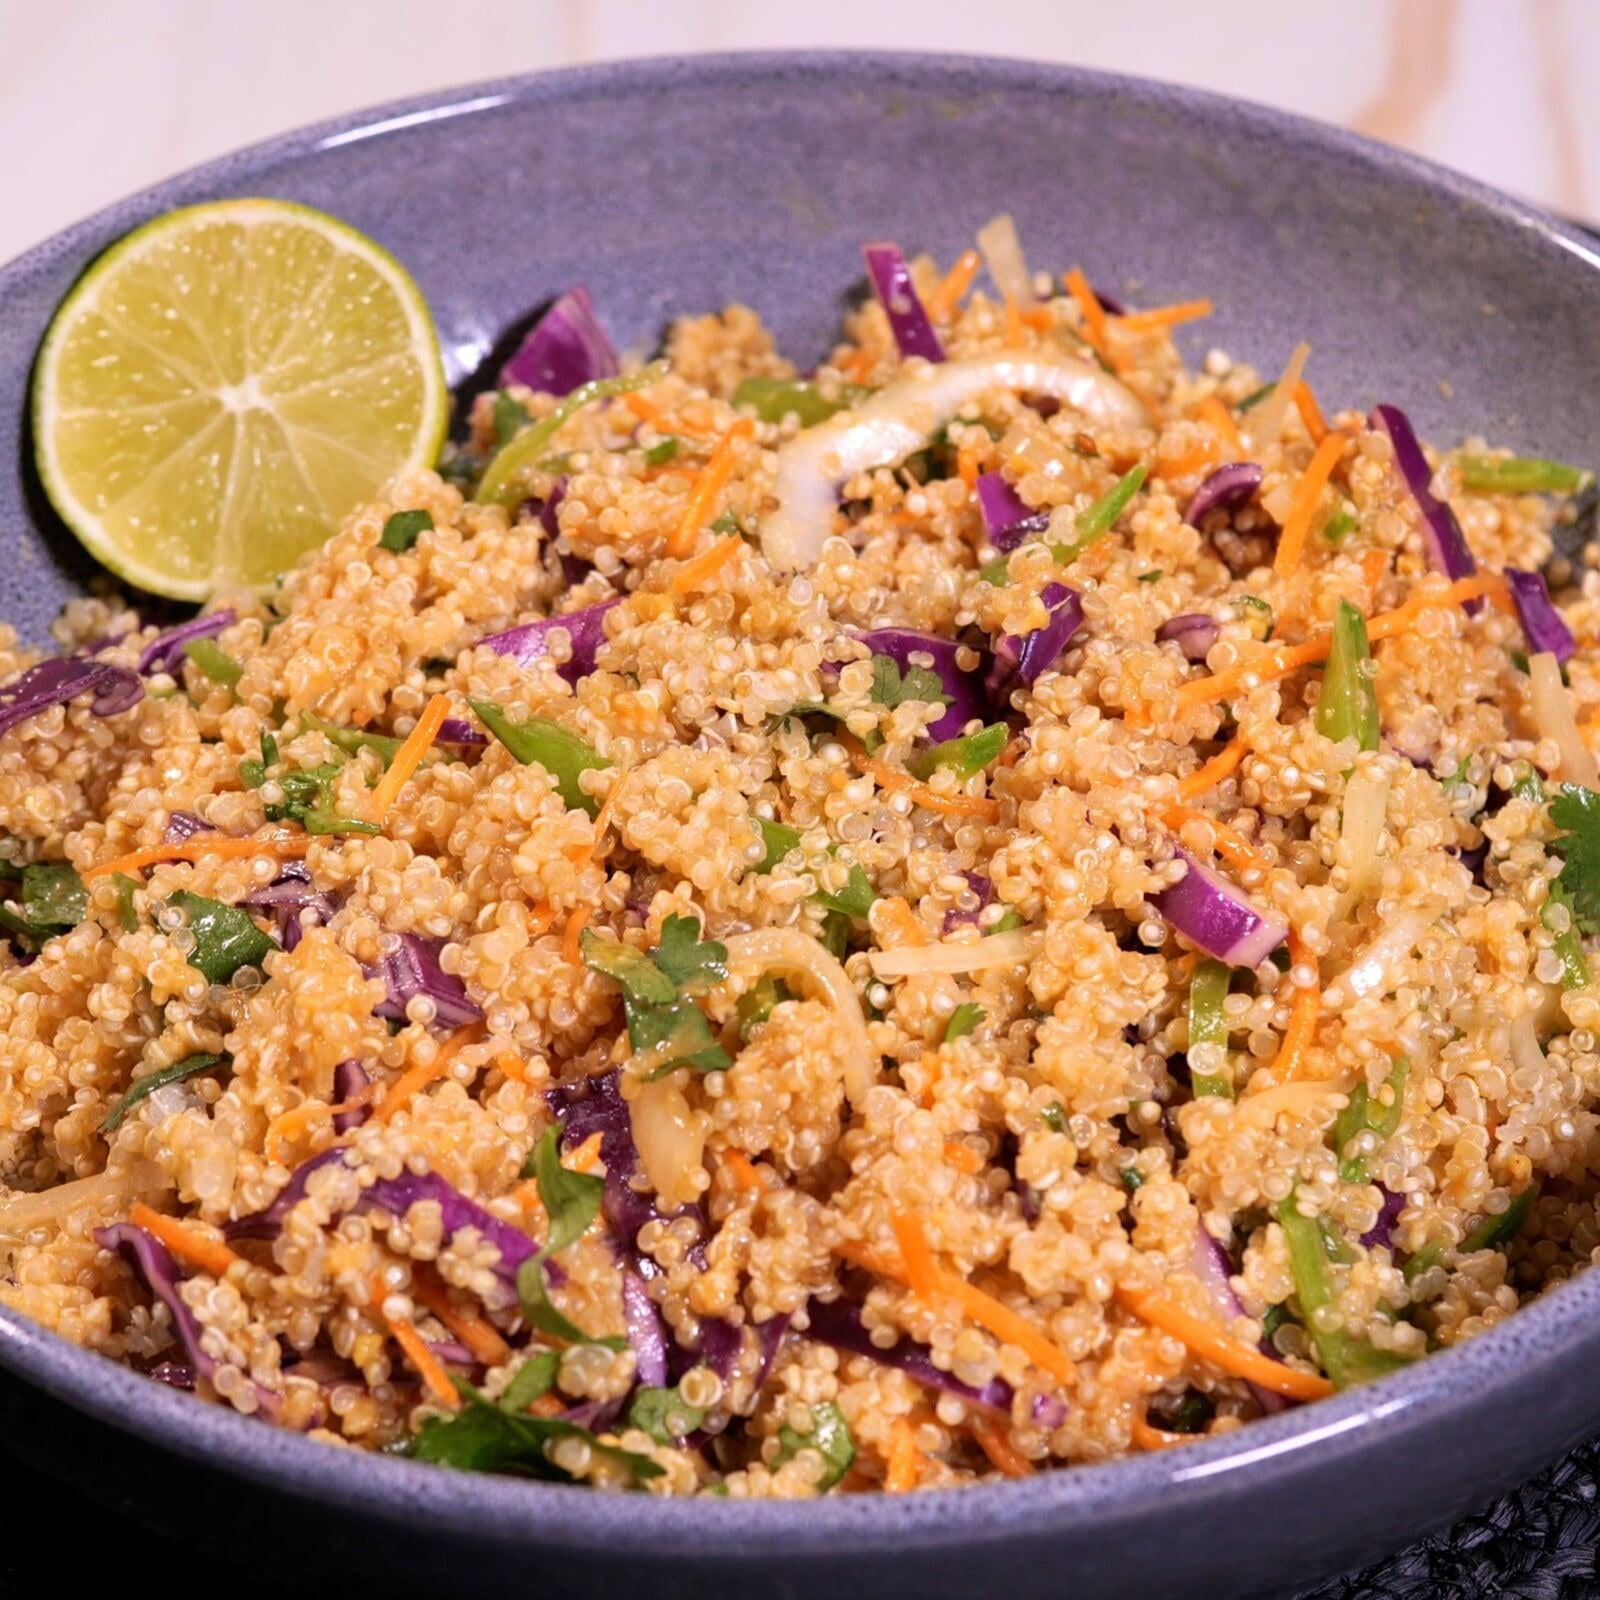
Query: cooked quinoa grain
{"type": "Point", "coordinates": [743, 965]}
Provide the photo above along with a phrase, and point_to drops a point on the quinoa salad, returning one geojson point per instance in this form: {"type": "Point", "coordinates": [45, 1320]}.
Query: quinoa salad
{"type": "Point", "coordinates": [1004, 903]}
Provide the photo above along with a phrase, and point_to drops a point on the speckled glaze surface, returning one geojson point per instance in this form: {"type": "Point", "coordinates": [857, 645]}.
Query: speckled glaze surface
{"type": "Point", "coordinates": [678, 185]}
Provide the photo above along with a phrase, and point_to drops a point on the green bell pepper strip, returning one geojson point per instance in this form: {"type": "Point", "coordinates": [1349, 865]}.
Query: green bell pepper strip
{"type": "Point", "coordinates": [1521, 475]}
{"type": "Point", "coordinates": [1208, 1025]}
{"type": "Point", "coordinates": [1096, 521]}
{"type": "Point", "coordinates": [1364, 1113]}
{"type": "Point", "coordinates": [537, 742]}
{"type": "Point", "coordinates": [1348, 705]}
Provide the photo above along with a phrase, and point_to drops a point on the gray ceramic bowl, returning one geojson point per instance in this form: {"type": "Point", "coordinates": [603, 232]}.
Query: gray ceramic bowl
{"type": "Point", "coordinates": [678, 185]}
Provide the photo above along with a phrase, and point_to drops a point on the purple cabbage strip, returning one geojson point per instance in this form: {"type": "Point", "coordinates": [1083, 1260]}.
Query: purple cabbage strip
{"type": "Point", "coordinates": [453, 1351]}
{"type": "Point", "coordinates": [1215, 1272]}
{"type": "Point", "coordinates": [839, 1323]}
{"type": "Point", "coordinates": [1194, 633]}
{"type": "Point", "coordinates": [551, 505]}
{"type": "Point", "coordinates": [289, 896]}
{"type": "Point", "coordinates": [160, 1272]}
{"type": "Point", "coordinates": [1382, 1231]}
{"type": "Point", "coordinates": [266, 1223]}
{"type": "Point", "coordinates": [182, 825]}
{"type": "Point", "coordinates": [564, 349]}
{"type": "Point", "coordinates": [1227, 486]}
{"type": "Point", "coordinates": [59, 681]}
{"type": "Point", "coordinates": [1216, 915]}
{"type": "Point", "coordinates": [596, 1106]}
{"type": "Point", "coordinates": [175, 1374]}
{"type": "Point", "coordinates": [969, 698]}
{"type": "Point", "coordinates": [1441, 532]}
{"type": "Point", "coordinates": [647, 1332]}
{"type": "Point", "coordinates": [586, 628]}
{"type": "Point", "coordinates": [1007, 517]}
{"type": "Point", "coordinates": [457, 730]}
{"type": "Point", "coordinates": [908, 317]}
{"type": "Point", "coordinates": [414, 969]}
{"type": "Point", "coordinates": [980, 886]}
{"type": "Point", "coordinates": [349, 1078]}
{"type": "Point", "coordinates": [1022, 658]}
{"type": "Point", "coordinates": [1109, 303]}
{"type": "Point", "coordinates": [1048, 1411]}
{"type": "Point", "coordinates": [1545, 628]}
{"type": "Point", "coordinates": [164, 653]}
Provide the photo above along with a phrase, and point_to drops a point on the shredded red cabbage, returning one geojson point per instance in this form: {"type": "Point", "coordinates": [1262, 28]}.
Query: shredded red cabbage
{"type": "Point", "coordinates": [1007, 517]}
{"type": "Point", "coordinates": [839, 1323]}
{"type": "Point", "coordinates": [1021, 658]}
{"type": "Point", "coordinates": [564, 349]}
{"type": "Point", "coordinates": [289, 896]}
{"type": "Point", "coordinates": [1215, 1272]}
{"type": "Point", "coordinates": [1543, 625]}
{"type": "Point", "coordinates": [586, 628]}
{"type": "Point", "coordinates": [1227, 486]}
{"type": "Point", "coordinates": [182, 825]}
{"type": "Point", "coordinates": [1442, 537]}
{"type": "Point", "coordinates": [1216, 915]}
{"type": "Point", "coordinates": [413, 969]}
{"type": "Point", "coordinates": [456, 730]}
{"type": "Point", "coordinates": [59, 681]}
{"type": "Point", "coordinates": [349, 1078]}
{"type": "Point", "coordinates": [647, 1332]}
{"type": "Point", "coordinates": [980, 886]}
{"type": "Point", "coordinates": [164, 653]}
{"type": "Point", "coordinates": [908, 317]}
{"type": "Point", "coordinates": [968, 696]}
{"type": "Point", "coordinates": [1382, 1231]}
{"type": "Point", "coordinates": [1194, 633]}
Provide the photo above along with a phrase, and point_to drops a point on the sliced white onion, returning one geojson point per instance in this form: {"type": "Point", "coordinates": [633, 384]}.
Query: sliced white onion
{"type": "Point", "coordinates": [1002, 255]}
{"type": "Point", "coordinates": [1263, 425]}
{"type": "Point", "coordinates": [1371, 970]}
{"type": "Point", "coordinates": [671, 1141]}
{"type": "Point", "coordinates": [1366, 802]}
{"type": "Point", "coordinates": [21, 1213]}
{"type": "Point", "coordinates": [1552, 711]}
{"type": "Point", "coordinates": [1526, 1051]}
{"type": "Point", "coordinates": [898, 421]}
{"type": "Point", "coordinates": [1007, 949]}
{"type": "Point", "coordinates": [789, 950]}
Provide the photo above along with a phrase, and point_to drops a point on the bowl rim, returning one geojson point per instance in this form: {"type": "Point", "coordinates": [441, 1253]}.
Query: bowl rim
{"type": "Point", "coordinates": [1213, 1471]}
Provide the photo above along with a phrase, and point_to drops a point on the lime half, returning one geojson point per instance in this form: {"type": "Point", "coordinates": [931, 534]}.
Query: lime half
{"type": "Point", "coordinates": [225, 384]}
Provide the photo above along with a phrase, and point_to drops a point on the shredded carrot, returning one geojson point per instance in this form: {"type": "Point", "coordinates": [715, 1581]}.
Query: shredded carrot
{"type": "Point", "coordinates": [1278, 661]}
{"type": "Point", "coordinates": [992, 1440]}
{"type": "Point", "coordinates": [915, 1251]}
{"type": "Point", "coordinates": [1292, 542]}
{"type": "Point", "coordinates": [857, 363]}
{"type": "Point", "coordinates": [1010, 1328]}
{"type": "Point", "coordinates": [1211, 1344]}
{"type": "Point", "coordinates": [547, 1405]}
{"type": "Point", "coordinates": [1219, 418]}
{"type": "Point", "coordinates": [581, 854]}
{"type": "Point", "coordinates": [702, 568]}
{"type": "Point", "coordinates": [1305, 403]}
{"type": "Point", "coordinates": [526, 1194]}
{"type": "Point", "coordinates": [1013, 330]}
{"type": "Point", "coordinates": [713, 480]}
{"type": "Point", "coordinates": [1205, 778]}
{"type": "Point", "coordinates": [541, 916]}
{"type": "Point", "coordinates": [1374, 563]}
{"type": "Point", "coordinates": [1303, 1012]}
{"type": "Point", "coordinates": [646, 410]}
{"type": "Point", "coordinates": [586, 1157]}
{"type": "Point", "coordinates": [429, 1367]}
{"type": "Point", "coordinates": [512, 1066]}
{"type": "Point", "coordinates": [1145, 1436]}
{"type": "Point", "coordinates": [198, 1250]}
{"type": "Point", "coordinates": [1165, 316]}
{"type": "Point", "coordinates": [962, 1157]}
{"type": "Point", "coordinates": [572, 936]}
{"type": "Point", "coordinates": [416, 1078]}
{"type": "Point", "coordinates": [1040, 318]}
{"type": "Point", "coordinates": [407, 758]}
{"type": "Point", "coordinates": [1094, 314]}
{"type": "Point", "coordinates": [933, 1070]}
{"type": "Point", "coordinates": [741, 1169]}
{"type": "Point", "coordinates": [905, 1462]}
{"type": "Point", "coordinates": [482, 1338]}
{"type": "Point", "coordinates": [1191, 461]}
{"type": "Point", "coordinates": [284, 1129]}
{"type": "Point", "coordinates": [1231, 845]}
{"type": "Point", "coordinates": [868, 1259]}
{"type": "Point", "coordinates": [286, 846]}
{"type": "Point", "coordinates": [903, 919]}
{"type": "Point", "coordinates": [895, 781]}
{"type": "Point", "coordinates": [955, 283]}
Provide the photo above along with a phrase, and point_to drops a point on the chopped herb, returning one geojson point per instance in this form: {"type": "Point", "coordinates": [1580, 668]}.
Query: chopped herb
{"type": "Point", "coordinates": [1251, 602]}
{"type": "Point", "coordinates": [996, 573]}
{"type": "Point", "coordinates": [214, 662]}
{"type": "Point", "coordinates": [1348, 705]}
{"type": "Point", "coordinates": [829, 1437]}
{"type": "Point", "coordinates": [571, 1200]}
{"type": "Point", "coordinates": [1274, 1319]}
{"type": "Point", "coordinates": [484, 1437]}
{"type": "Point", "coordinates": [225, 938]}
{"type": "Point", "coordinates": [127, 888]}
{"type": "Point", "coordinates": [1255, 397]}
{"type": "Point", "coordinates": [307, 800]}
{"type": "Point", "coordinates": [403, 529]}
{"type": "Point", "coordinates": [758, 1003]}
{"type": "Point", "coordinates": [779, 839]}
{"type": "Point", "coordinates": [1576, 811]}
{"type": "Point", "coordinates": [773, 399]}
{"type": "Point", "coordinates": [727, 523]}
{"type": "Point", "coordinates": [658, 455]}
{"type": "Point", "coordinates": [675, 1036]}
{"type": "Point", "coordinates": [1154, 576]}
{"type": "Point", "coordinates": [537, 742]}
{"type": "Point", "coordinates": [53, 896]}
{"type": "Point", "coordinates": [1192, 1414]}
{"type": "Point", "coordinates": [352, 741]}
{"type": "Point", "coordinates": [1490, 1234]}
{"type": "Point", "coordinates": [891, 689]}
{"type": "Point", "coordinates": [533, 1380]}
{"type": "Point", "coordinates": [510, 418]}
{"type": "Point", "coordinates": [1365, 1113]}
{"type": "Point", "coordinates": [1528, 787]}
{"type": "Point", "coordinates": [1009, 918]}
{"type": "Point", "coordinates": [1461, 775]}
{"type": "Point", "coordinates": [190, 1067]}
{"type": "Point", "coordinates": [1055, 1117]}
{"type": "Point", "coordinates": [963, 1020]}
{"type": "Point", "coordinates": [1521, 475]}
{"type": "Point", "coordinates": [269, 749]}
{"type": "Point", "coordinates": [640, 977]}
{"type": "Point", "coordinates": [1339, 527]}
{"type": "Point", "coordinates": [664, 1414]}
{"type": "Point", "coordinates": [689, 961]}
{"type": "Point", "coordinates": [1133, 1179]}
{"type": "Point", "coordinates": [1346, 1357]}
{"type": "Point", "coordinates": [1208, 1027]}
{"type": "Point", "coordinates": [1566, 944]}
{"type": "Point", "coordinates": [967, 755]}
{"type": "Point", "coordinates": [1519, 659]}
{"type": "Point", "coordinates": [854, 900]}
{"type": "Point", "coordinates": [1096, 521]}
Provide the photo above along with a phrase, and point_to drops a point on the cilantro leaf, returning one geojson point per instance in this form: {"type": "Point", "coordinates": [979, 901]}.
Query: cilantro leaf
{"type": "Point", "coordinates": [403, 529]}
{"type": "Point", "coordinates": [891, 688]}
{"type": "Point", "coordinates": [571, 1199]}
{"type": "Point", "coordinates": [829, 1437]}
{"type": "Point", "coordinates": [1576, 811]}
{"type": "Point", "coordinates": [854, 900]}
{"type": "Point", "coordinates": [533, 1380]}
{"type": "Point", "coordinates": [677, 1035]}
{"type": "Point", "coordinates": [179, 1072]}
{"type": "Point", "coordinates": [779, 839]}
{"type": "Point", "coordinates": [664, 1414]}
{"type": "Point", "coordinates": [307, 799]}
{"type": "Point", "coordinates": [53, 896]}
{"type": "Point", "coordinates": [640, 977]}
{"type": "Point", "coordinates": [225, 937]}
{"type": "Point", "coordinates": [757, 1004]}
{"type": "Point", "coordinates": [686, 959]}
{"type": "Point", "coordinates": [963, 1020]}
